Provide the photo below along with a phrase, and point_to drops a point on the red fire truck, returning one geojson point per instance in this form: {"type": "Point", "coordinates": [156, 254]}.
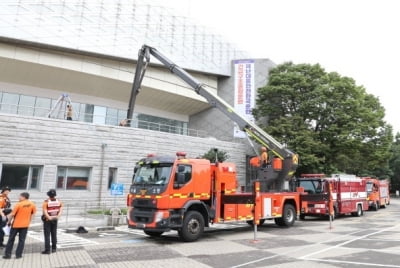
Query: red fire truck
{"type": "Point", "coordinates": [378, 193]}
{"type": "Point", "coordinates": [347, 192]}
{"type": "Point", "coordinates": [384, 193]}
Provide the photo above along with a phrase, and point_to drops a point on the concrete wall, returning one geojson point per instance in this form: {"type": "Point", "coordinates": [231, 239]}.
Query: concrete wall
{"type": "Point", "coordinates": [51, 143]}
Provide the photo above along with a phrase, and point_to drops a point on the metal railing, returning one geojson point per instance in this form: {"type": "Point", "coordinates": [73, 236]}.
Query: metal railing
{"type": "Point", "coordinates": [105, 120]}
{"type": "Point", "coordinates": [90, 213]}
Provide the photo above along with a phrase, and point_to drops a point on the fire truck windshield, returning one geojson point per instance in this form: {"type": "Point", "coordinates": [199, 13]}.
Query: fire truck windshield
{"type": "Point", "coordinates": [152, 174]}
{"type": "Point", "coordinates": [312, 186]}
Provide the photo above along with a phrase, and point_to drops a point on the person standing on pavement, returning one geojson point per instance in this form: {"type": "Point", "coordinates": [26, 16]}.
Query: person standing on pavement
{"type": "Point", "coordinates": [20, 218]}
{"type": "Point", "coordinates": [52, 209]}
{"type": "Point", "coordinates": [5, 205]}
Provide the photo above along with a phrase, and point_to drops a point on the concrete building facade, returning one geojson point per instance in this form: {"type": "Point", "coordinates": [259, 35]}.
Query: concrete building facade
{"type": "Point", "coordinates": [47, 55]}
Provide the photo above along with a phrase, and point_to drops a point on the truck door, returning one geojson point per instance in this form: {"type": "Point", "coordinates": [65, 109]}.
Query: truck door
{"type": "Point", "coordinates": [183, 186]}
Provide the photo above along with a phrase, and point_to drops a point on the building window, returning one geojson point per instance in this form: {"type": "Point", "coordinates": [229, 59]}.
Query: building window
{"type": "Point", "coordinates": [99, 115]}
{"type": "Point", "coordinates": [88, 113]}
{"type": "Point", "coordinates": [9, 103]}
{"type": "Point", "coordinates": [73, 178]}
{"type": "Point", "coordinates": [112, 176]}
{"type": "Point", "coordinates": [26, 105]}
{"type": "Point", "coordinates": [112, 117]}
{"type": "Point", "coordinates": [42, 107]}
{"type": "Point", "coordinates": [20, 176]}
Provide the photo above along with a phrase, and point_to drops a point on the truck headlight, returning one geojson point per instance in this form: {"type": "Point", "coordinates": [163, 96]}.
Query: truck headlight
{"type": "Point", "coordinates": [160, 215]}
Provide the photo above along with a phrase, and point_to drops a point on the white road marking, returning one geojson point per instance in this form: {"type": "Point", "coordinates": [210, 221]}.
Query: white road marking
{"type": "Point", "coordinates": [64, 240]}
{"type": "Point", "coordinates": [306, 257]}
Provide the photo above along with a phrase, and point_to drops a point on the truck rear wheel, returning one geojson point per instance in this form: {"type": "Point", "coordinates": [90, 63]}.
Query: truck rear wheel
{"type": "Point", "coordinates": [359, 211]}
{"type": "Point", "coordinates": [193, 226]}
{"type": "Point", "coordinates": [153, 233]}
{"type": "Point", "coordinates": [288, 216]}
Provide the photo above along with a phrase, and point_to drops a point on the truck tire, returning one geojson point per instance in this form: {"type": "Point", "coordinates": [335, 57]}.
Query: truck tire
{"type": "Point", "coordinates": [288, 216]}
{"type": "Point", "coordinates": [359, 211]}
{"type": "Point", "coordinates": [193, 226]}
{"type": "Point", "coordinates": [153, 233]}
{"type": "Point", "coordinates": [302, 217]}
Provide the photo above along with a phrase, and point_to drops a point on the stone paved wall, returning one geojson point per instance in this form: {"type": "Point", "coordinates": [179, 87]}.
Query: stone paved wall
{"type": "Point", "coordinates": [51, 143]}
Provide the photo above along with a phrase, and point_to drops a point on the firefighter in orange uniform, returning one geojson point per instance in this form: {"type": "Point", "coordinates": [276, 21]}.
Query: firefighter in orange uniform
{"type": "Point", "coordinates": [264, 157]}
{"type": "Point", "coordinates": [21, 217]}
{"type": "Point", "coordinates": [52, 209]}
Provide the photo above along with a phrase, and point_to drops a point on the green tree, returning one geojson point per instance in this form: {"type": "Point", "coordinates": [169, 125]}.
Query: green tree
{"type": "Point", "coordinates": [394, 164]}
{"type": "Point", "coordinates": [210, 155]}
{"type": "Point", "coordinates": [332, 123]}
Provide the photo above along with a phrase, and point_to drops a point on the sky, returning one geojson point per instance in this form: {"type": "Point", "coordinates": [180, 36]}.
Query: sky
{"type": "Point", "coordinates": [355, 38]}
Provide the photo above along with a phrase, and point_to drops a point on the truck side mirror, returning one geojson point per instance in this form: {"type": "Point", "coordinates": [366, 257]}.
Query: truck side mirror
{"type": "Point", "coordinates": [181, 169]}
{"type": "Point", "coordinates": [179, 180]}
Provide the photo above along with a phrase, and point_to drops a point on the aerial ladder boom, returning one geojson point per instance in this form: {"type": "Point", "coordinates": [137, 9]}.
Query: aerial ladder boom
{"type": "Point", "coordinates": [290, 159]}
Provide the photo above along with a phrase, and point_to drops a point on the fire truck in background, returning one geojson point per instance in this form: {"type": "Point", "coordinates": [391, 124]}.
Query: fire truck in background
{"type": "Point", "coordinates": [347, 193]}
{"type": "Point", "coordinates": [384, 192]}
{"type": "Point", "coordinates": [188, 194]}
{"type": "Point", "coordinates": [378, 193]}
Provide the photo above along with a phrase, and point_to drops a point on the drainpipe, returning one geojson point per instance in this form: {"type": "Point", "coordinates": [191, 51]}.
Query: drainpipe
{"type": "Point", "coordinates": [103, 148]}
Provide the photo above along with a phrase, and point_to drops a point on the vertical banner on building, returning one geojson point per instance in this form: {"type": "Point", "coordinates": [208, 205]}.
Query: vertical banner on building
{"type": "Point", "coordinates": [244, 92]}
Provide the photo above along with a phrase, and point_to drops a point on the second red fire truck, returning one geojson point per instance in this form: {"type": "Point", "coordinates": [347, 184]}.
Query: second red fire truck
{"type": "Point", "coordinates": [347, 194]}
{"type": "Point", "coordinates": [378, 193]}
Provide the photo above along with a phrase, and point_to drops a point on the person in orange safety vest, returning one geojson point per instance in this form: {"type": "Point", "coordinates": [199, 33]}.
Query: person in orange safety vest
{"type": "Point", "coordinates": [52, 209]}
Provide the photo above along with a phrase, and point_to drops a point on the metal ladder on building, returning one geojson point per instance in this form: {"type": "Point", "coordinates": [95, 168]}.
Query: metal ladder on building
{"type": "Point", "coordinates": [60, 107]}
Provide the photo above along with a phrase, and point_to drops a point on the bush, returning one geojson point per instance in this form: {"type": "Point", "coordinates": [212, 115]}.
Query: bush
{"type": "Point", "coordinates": [221, 155]}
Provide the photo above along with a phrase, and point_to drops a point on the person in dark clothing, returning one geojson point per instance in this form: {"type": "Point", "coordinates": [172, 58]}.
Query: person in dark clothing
{"type": "Point", "coordinates": [52, 209]}
{"type": "Point", "coordinates": [5, 209]}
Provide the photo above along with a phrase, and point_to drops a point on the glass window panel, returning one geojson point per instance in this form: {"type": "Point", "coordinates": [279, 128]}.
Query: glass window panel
{"type": "Point", "coordinates": [99, 115]}
{"type": "Point", "coordinates": [112, 117]}
{"type": "Point", "coordinates": [35, 177]}
{"type": "Point", "coordinates": [82, 114]}
{"type": "Point", "coordinates": [42, 106]}
{"type": "Point", "coordinates": [26, 105]}
{"type": "Point", "coordinates": [61, 174]}
{"type": "Point", "coordinates": [10, 103]}
{"type": "Point", "coordinates": [77, 110]}
{"type": "Point", "coordinates": [14, 176]}
{"type": "Point", "coordinates": [112, 176]}
{"type": "Point", "coordinates": [77, 178]}
{"type": "Point", "coordinates": [88, 116]}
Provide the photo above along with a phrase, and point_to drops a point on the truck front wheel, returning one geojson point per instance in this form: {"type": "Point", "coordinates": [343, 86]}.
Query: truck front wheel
{"type": "Point", "coordinates": [288, 216]}
{"type": "Point", "coordinates": [193, 226]}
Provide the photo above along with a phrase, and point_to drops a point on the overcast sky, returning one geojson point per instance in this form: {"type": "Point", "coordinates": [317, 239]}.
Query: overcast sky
{"type": "Point", "coordinates": [356, 38]}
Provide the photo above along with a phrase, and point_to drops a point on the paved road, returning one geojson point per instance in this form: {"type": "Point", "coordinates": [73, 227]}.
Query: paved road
{"type": "Point", "coordinates": [372, 240]}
